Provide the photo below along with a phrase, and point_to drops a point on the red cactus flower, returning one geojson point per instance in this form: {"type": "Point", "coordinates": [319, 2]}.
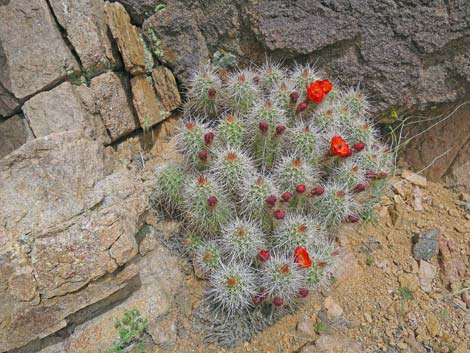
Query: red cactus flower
{"type": "Point", "coordinates": [256, 300]}
{"type": "Point", "coordinates": [359, 187]}
{"type": "Point", "coordinates": [302, 258]}
{"type": "Point", "coordinates": [280, 129]}
{"type": "Point", "coordinates": [303, 292]}
{"type": "Point", "coordinates": [339, 147]}
{"type": "Point", "coordinates": [294, 96]}
{"type": "Point", "coordinates": [300, 188]}
{"type": "Point", "coordinates": [264, 255]}
{"type": "Point", "coordinates": [263, 126]}
{"type": "Point", "coordinates": [286, 196]}
{"type": "Point", "coordinates": [279, 214]}
{"type": "Point", "coordinates": [212, 201]}
{"type": "Point", "coordinates": [202, 155]}
{"type": "Point", "coordinates": [301, 107]}
{"type": "Point", "coordinates": [352, 218]}
{"type": "Point", "coordinates": [278, 301]}
{"type": "Point", "coordinates": [326, 86]}
{"type": "Point", "coordinates": [208, 137]}
{"type": "Point", "coordinates": [315, 92]}
{"type": "Point", "coordinates": [271, 200]}
{"type": "Point", "coordinates": [318, 190]}
{"type": "Point", "coordinates": [211, 92]}
{"type": "Point", "coordinates": [359, 146]}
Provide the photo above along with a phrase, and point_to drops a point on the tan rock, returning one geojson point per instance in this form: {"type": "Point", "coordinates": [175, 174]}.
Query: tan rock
{"type": "Point", "coordinates": [432, 324]}
{"type": "Point", "coordinates": [14, 132]}
{"type": "Point", "coordinates": [414, 178]}
{"type": "Point", "coordinates": [22, 284]}
{"type": "Point", "coordinates": [128, 38]}
{"type": "Point", "coordinates": [427, 272]}
{"type": "Point", "coordinates": [451, 263]}
{"type": "Point", "coordinates": [335, 344]}
{"type": "Point", "coordinates": [47, 60]}
{"type": "Point", "coordinates": [165, 86]}
{"type": "Point", "coordinates": [110, 94]}
{"type": "Point", "coordinates": [145, 101]}
{"type": "Point", "coordinates": [85, 24]}
{"type": "Point", "coordinates": [332, 307]}
{"type": "Point", "coordinates": [305, 326]}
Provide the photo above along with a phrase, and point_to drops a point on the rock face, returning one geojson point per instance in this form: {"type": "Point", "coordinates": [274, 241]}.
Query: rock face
{"type": "Point", "coordinates": [165, 86]}
{"type": "Point", "coordinates": [26, 63]}
{"type": "Point", "coordinates": [85, 26]}
{"type": "Point", "coordinates": [145, 101]}
{"type": "Point", "coordinates": [129, 41]}
{"type": "Point", "coordinates": [81, 228]}
{"type": "Point", "coordinates": [14, 132]}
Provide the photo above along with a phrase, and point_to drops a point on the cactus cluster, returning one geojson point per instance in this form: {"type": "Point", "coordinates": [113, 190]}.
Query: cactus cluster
{"type": "Point", "coordinates": [275, 160]}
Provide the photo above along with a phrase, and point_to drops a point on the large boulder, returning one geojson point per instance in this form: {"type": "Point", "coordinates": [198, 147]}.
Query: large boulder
{"type": "Point", "coordinates": [33, 55]}
{"type": "Point", "coordinates": [67, 233]}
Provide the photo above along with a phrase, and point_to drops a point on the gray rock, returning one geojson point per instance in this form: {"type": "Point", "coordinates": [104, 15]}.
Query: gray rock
{"type": "Point", "coordinates": [28, 37]}
{"type": "Point", "coordinates": [427, 244]}
{"type": "Point", "coordinates": [175, 34]}
{"type": "Point", "coordinates": [59, 110]}
{"type": "Point", "coordinates": [14, 132]}
{"type": "Point", "coordinates": [85, 26]}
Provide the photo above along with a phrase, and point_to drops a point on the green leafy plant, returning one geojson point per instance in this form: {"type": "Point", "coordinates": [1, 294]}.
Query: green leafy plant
{"type": "Point", "coordinates": [132, 328]}
{"type": "Point", "coordinates": [224, 59]}
{"type": "Point", "coordinates": [405, 294]}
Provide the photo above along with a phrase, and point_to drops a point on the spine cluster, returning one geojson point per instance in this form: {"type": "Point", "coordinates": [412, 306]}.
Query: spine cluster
{"type": "Point", "coordinates": [275, 161]}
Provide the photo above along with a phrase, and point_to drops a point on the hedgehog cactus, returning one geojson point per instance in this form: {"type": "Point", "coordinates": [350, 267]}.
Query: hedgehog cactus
{"type": "Point", "coordinates": [275, 162]}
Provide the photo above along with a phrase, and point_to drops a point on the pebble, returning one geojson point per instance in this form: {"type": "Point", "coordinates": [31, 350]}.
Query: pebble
{"type": "Point", "coordinates": [333, 308]}
{"type": "Point", "coordinates": [427, 272]}
{"type": "Point", "coordinates": [454, 213]}
{"type": "Point", "coordinates": [368, 317]}
{"type": "Point", "coordinates": [414, 178]}
{"type": "Point", "coordinates": [427, 244]}
{"type": "Point", "coordinates": [305, 326]}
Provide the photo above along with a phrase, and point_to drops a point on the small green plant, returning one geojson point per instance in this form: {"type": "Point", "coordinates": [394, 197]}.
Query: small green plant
{"type": "Point", "coordinates": [369, 261]}
{"type": "Point", "coordinates": [160, 8]}
{"type": "Point", "coordinates": [405, 294]}
{"type": "Point", "coordinates": [156, 44]}
{"type": "Point", "coordinates": [224, 59]}
{"type": "Point", "coordinates": [132, 328]}
{"type": "Point", "coordinates": [319, 327]}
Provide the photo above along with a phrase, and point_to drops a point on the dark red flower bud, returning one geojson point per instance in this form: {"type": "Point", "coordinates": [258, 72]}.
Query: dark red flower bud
{"type": "Point", "coordinates": [294, 96]}
{"type": "Point", "coordinates": [263, 126]}
{"type": "Point", "coordinates": [300, 188]}
{"type": "Point", "coordinates": [278, 301]}
{"type": "Point", "coordinates": [211, 92]}
{"type": "Point", "coordinates": [382, 175]}
{"type": "Point", "coordinates": [256, 300]}
{"type": "Point", "coordinates": [203, 155]}
{"type": "Point", "coordinates": [286, 196]}
{"type": "Point", "coordinates": [280, 129]}
{"type": "Point", "coordinates": [359, 146]}
{"type": "Point", "coordinates": [212, 201]}
{"type": "Point", "coordinates": [318, 190]}
{"type": "Point", "coordinates": [301, 107]}
{"type": "Point", "coordinates": [303, 292]}
{"type": "Point", "coordinates": [208, 137]}
{"type": "Point", "coordinates": [359, 187]}
{"type": "Point", "coordinates": [264, 255]}
{"type": "Point", "coordinates": [271, 200]}
{"type": "Point", "coordinates": [353, 218]}
{"type": "Point", "coordinates": [279, 214]}
{"type": "Point", "coordinates": [371, 174]}
{"type": "Point", "coordinates": [256, 79]}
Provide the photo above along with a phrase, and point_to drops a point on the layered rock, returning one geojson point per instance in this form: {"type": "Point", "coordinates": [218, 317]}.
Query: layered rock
{"type": "Point", "coordinates": [67, 231]}
{"type": "Point", "coordinates": [84, 24]}
{"type": "Point", "coordinates": [33, 56]}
